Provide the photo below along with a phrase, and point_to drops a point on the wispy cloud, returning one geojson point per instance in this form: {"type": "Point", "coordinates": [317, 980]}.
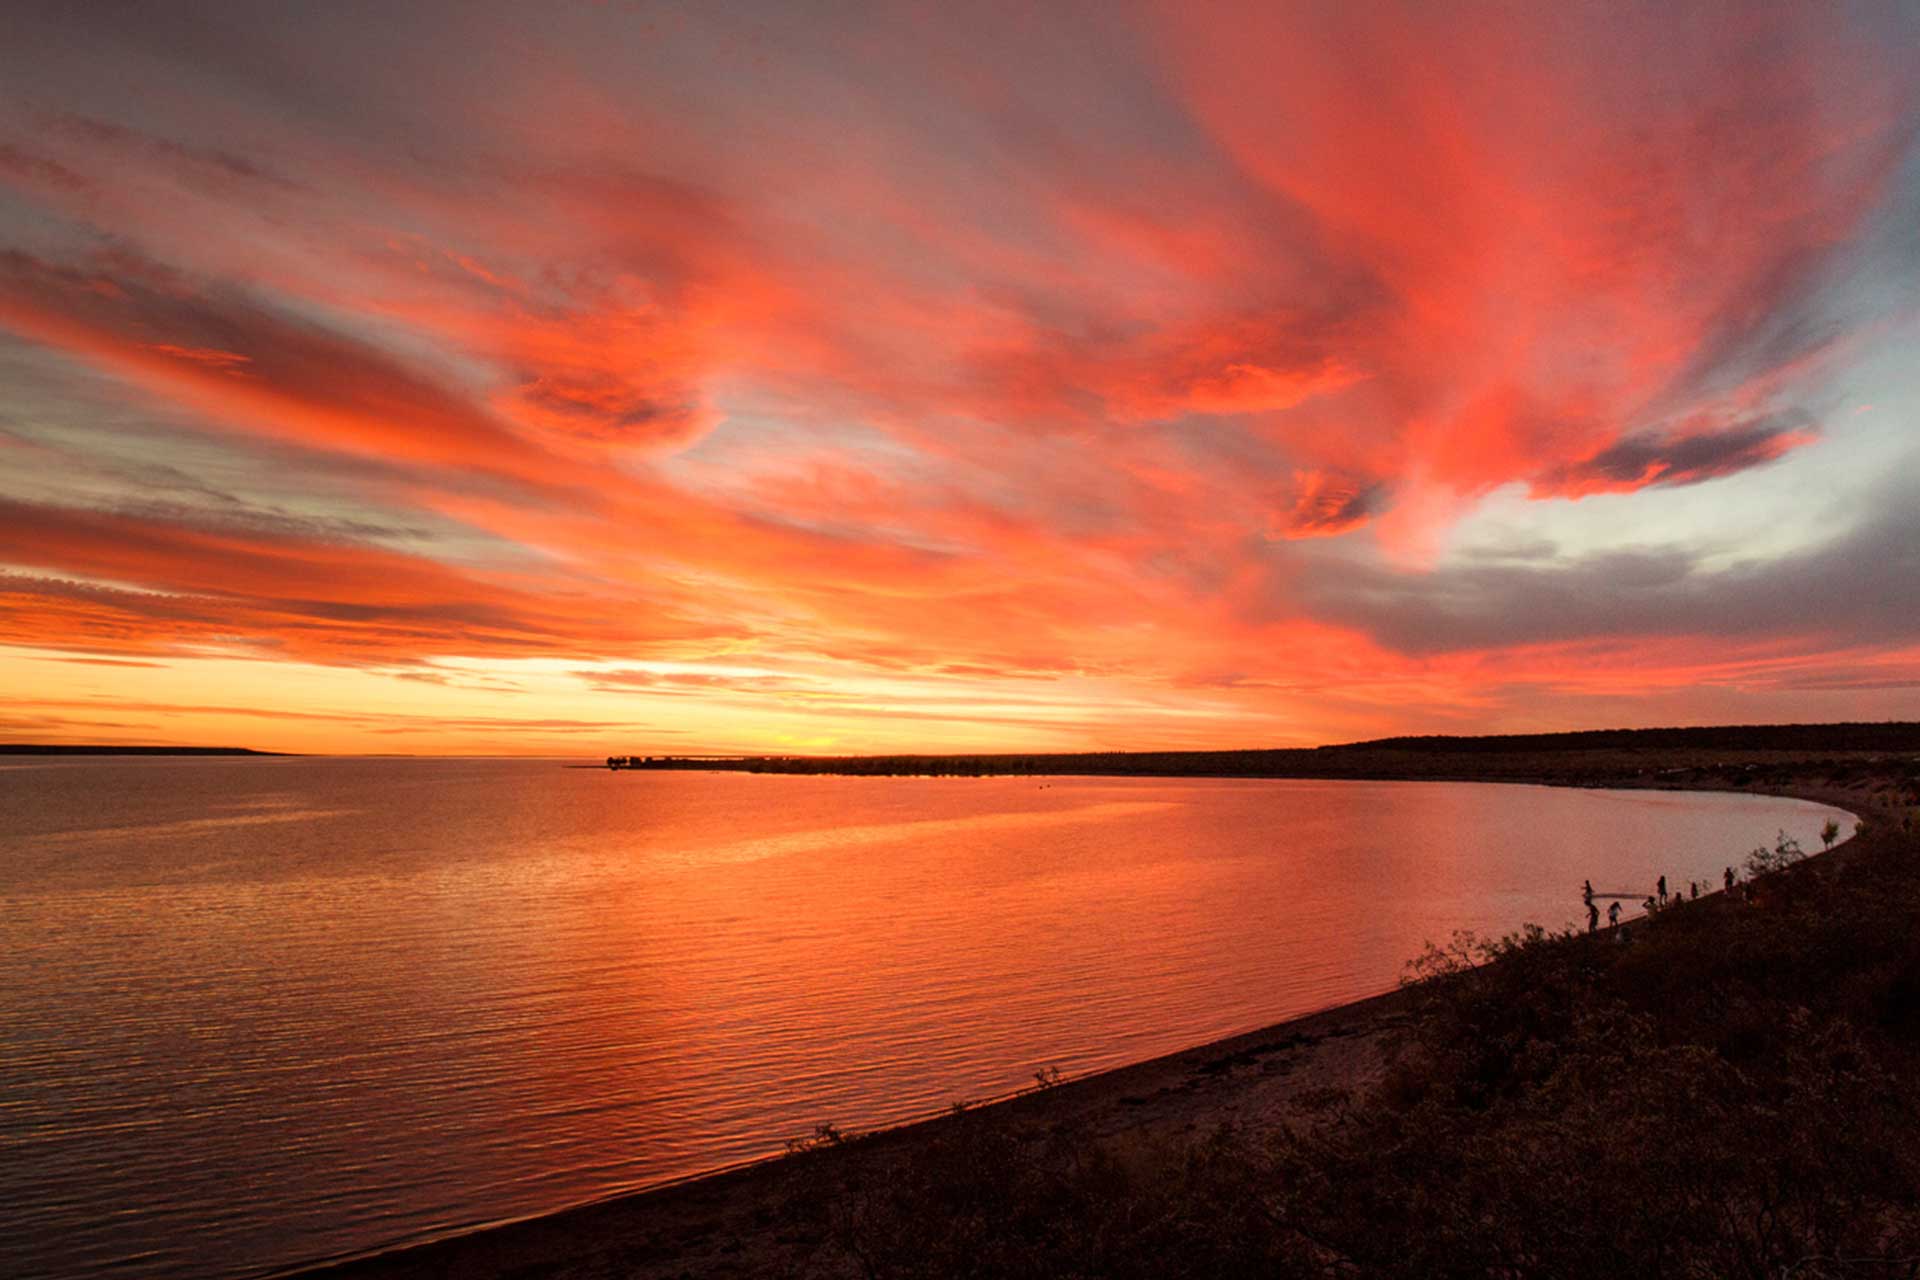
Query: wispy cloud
{"type": "Point", "coordinates": [1152, 351]}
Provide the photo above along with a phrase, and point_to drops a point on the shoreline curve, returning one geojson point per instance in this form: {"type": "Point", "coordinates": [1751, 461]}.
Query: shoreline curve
{"type": "Point", "coordinates": [1335, 1046]}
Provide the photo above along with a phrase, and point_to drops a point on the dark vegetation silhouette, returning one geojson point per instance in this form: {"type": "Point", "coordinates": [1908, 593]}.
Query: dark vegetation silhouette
{"type": "Point", "coordinates": [1727, 1088]}
{"type": "Point", "coordinates": [1730, 1088]}
{"type": "Point", "coordinates": [1754, 755]}
{"type": "Point", "coordinates": [107, 749]}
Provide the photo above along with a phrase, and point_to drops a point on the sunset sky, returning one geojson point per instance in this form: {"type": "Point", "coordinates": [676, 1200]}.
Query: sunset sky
{"type": "Point", "coordinates": [572, 379]}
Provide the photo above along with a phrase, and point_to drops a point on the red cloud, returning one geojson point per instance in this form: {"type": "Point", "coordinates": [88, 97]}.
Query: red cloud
{"type": "Point", "coordinates": [1067, 381]}
{"type": "Point", "coordinates": [301, 382]}
{"type": "Point", "coordinates": [121, 583]}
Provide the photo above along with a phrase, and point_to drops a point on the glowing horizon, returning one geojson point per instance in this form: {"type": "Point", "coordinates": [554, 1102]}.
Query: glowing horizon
{"type": "Point", "coordinates": [461, 378]}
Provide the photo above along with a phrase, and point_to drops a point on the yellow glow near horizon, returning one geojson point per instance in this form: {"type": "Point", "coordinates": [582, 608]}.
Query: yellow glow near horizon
{"type": "Point", "coordinates": [1176, 388]}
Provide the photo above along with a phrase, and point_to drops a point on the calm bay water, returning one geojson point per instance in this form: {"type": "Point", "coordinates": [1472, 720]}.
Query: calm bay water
{"type": "Point", "coordinates": [255, 1013]}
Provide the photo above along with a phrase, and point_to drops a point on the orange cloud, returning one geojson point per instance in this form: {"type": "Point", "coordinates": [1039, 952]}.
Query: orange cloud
{"type": "Point", "coordinates": [872, 358]}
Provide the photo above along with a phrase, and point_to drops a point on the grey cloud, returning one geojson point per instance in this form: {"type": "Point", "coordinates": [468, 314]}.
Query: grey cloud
{"type": "Point", "coordinates": [1680, 459]}
{"type": "Point", "coordinates": [236, 515]}
{"type": "Point", "coordinates": [1864, 585]}
{"type": "Point", "coordinates": [1333, 504]}
{"type": "Point", "coordinates": [41, 170]}
{"type": "Point", "coordinates": [1529, 549]}
{"type": "Point", "coordinates": [213, 166]}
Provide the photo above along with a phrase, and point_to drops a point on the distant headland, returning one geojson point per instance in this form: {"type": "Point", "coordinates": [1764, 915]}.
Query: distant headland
{"type": "Point", "coordinates": [1627, 1094]}
{"type": "Point", "coordinates": [107, 749]}
{"type": "Point", "coordinates": [1588, 755]}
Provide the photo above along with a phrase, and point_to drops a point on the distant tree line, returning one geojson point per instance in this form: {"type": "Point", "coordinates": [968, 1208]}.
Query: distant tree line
{"type": "Point", "coordinates": [1593, 756]}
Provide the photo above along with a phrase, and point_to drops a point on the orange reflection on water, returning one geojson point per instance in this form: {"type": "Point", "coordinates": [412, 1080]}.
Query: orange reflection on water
{"type": "Point", "coordinates": [430, 993]}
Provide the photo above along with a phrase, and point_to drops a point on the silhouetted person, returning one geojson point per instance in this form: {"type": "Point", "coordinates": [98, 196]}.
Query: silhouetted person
{"type": "Point", "coordinates": [1593, 916]}
{"type": "Point", "coordinates": [1663, 891]}
{"type": "Point", "coordinates": [1729, 879]}
{"type": "Point", "coordinates": [1693, 888]}
{"type": "Point", "coordinates": [1651, 905]}
{"type": "Point", "coordinates": [1613, 915]}
{"type": "Point", "coordinates": [1586, 893]}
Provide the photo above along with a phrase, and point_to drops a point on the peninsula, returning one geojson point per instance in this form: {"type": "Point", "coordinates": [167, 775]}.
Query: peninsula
{"type": "Point", "coordinates": [108, 749]}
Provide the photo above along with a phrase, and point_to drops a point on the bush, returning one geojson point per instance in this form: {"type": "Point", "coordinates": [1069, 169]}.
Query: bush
{"type": "Point", "coordinates": [1785, 852]}
{"type": "Point", "coordinates": [1733, 1094]}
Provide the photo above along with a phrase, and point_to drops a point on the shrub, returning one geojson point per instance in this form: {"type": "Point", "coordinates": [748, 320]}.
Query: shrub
{"type": "Point", "coordinates": [1764, 861]}
{"type": "Point", "coordinates": [1732, 1094]}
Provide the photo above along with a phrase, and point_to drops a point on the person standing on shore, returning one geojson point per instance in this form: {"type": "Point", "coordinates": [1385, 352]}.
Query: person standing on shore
{"type": "Point", "coordinates": [1586, 893]}
{"type": "Point", "coordinates": [1593, 916]}
{"type": "Point", "coordinates": [1729, 879]}
{"type": "Point", "coordinates": [1613, 915]}
{"type": "Point", "coordinates": [1663, 891]}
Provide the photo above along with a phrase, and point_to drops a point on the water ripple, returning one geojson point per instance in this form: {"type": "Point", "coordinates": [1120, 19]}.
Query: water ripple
{"type": "Point", "coordinates": [262, 1012]}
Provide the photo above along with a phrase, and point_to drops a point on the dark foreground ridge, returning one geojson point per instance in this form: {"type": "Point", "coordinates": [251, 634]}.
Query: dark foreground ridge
{"type": "Point", "coordinates": [93, 749]}
{"type": "Point", "coordinates": [1729, 1087]}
